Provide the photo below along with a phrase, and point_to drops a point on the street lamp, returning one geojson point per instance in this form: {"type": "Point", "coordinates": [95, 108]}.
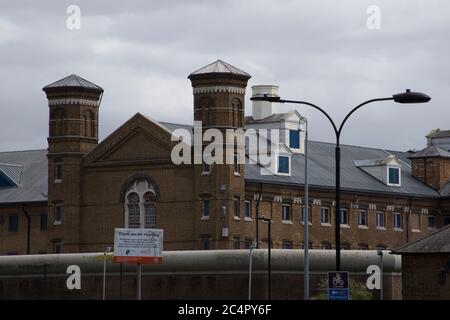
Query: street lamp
{"type": "Point", "coordinates": [406, 97]}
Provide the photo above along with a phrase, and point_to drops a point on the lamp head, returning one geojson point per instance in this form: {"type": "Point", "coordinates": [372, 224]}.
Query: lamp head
{"type": "Point", "coordinates": [411, 97]}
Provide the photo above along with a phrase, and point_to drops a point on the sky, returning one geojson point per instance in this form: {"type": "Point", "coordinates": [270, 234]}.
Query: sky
{"type": "Point", "coordinates": [141, 52]}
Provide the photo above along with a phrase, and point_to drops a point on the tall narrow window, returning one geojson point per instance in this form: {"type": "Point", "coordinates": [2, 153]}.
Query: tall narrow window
{"type": "Point", "coordinates": [380, 219]}
{"type": "Point", "coordinates": [236, 167]}
{"type": "Point", "coordinates": [236, 242]}
{"type": "Point", "coordinates": [58, 213]}
{"type": "Point", "coordinates": [150, 210]}
{"type": "Point", "coordinates": [247, 209]}
{"type": "Point", "coordinates": [324, 215]}
{"type": "Point", "coordinates": [286, 212]}
{"type": "Point", "coordinates": [397, 220]}
{"type": "Point", "coordinates": [13, 223]}
{"type": "Point", "coordinates": [134, 211]}
{"type": "Point", "coordinates": [309, 215]}
{"type": "Point", "coordinates": [44, 221]}
{"type": "Point", "coordinates": [205, 208]}
{"type": "Point", "coordinates": [344, 216]}
{"type": "Point", "coordinates": [58, 172]}
{"type": "Point", "coordinates": [205, 245]}
{"type": "Point", "coordinates": [236, 205]}
{"type": "Point", "coordinates": [294, 139]}
{"type": "Point", "coordinates": [431, 221]}
{"type": "Point", "coordinates": [362, 218]}
{"type": "Point", "coordinates": [57, 246]}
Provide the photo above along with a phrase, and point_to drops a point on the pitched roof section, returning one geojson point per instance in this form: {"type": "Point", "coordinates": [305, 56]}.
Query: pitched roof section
{"type": "Point", "coordinates": [436, 242]}
{"type": "Point", "coordinates": [321, 164]}
{"type": "Point", "coordinates": [431, 151]}
{"type": "Point", "coordinates": [438, 133]}
{"type": "Point", "coordinates": [12, 172]}
{"type": "Point", "coordinates": [220, 66]}
{"type": "Point", "coordinates": [30, 169]}
{"type": "Point", "coordinates": [75, 82]}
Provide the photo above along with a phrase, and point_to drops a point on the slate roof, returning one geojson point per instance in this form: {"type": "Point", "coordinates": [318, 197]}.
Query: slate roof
{"type": "Point", "coordinates": [73, 81]}
{"type": "Point", "coordinates": [436, 242]}
{"type": "Point", "coordinates": [322, 170]}
{"type": "Point", "coordinates": [431, 151]}
{"type": "Point", "coordinates": [30, 170]}
{"type": "Point", "coordinates": [220, 66]}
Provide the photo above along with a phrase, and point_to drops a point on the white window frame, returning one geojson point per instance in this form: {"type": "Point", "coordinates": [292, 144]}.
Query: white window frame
{"type": "Point", "coordinates": [383, 215]}
{"type": "Point", "coordinates": [289, 165]}
{"type": "Point", "coordinates": [249, 204]}
{"type": "Point", "coordinates": [328, 222]}
{"type": "Point", "coordinates": [365, 218]}
{"type": "Point", "coordinates": [340, 217]}
{"type": "Point", "coordinates": [394, 214]}
{"type": "Point", "coordinates": [289, 210]}
{"type": "Point", "coordinates": [399, 176]}
{"type": "Point", "coordinates": [58, 205]}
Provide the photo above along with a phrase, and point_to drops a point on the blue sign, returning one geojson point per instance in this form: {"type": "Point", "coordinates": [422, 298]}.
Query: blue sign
{"type": "Point", "coordinates": [338, 285]}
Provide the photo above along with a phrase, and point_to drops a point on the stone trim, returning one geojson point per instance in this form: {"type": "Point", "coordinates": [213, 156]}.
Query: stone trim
{"type": "Point", "coordinates": [55, 102]}
{"type": "Point", "coordinates": [209, 89]}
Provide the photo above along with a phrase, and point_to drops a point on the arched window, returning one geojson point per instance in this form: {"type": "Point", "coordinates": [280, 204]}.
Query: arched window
{"type": "Point", "coordinates": [237, 109]}
{"type": "Point", "coordinates": [140, 205]}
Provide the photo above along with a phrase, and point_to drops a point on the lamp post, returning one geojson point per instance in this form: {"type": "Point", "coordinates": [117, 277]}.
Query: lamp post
{"type": "Point", "coordinates": [405, 97]}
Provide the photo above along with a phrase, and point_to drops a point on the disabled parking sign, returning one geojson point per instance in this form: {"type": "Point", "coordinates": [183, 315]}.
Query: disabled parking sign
{"type": "Point", "coordinates": [338, 285]}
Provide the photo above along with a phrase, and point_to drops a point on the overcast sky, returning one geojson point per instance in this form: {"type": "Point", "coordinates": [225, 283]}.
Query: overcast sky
{"type": "Point", "coordinates": [141, 53]}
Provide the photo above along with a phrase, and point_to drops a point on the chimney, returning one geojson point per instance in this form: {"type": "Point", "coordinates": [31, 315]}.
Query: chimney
{"type": "Point", "coordinates": [263, 109]}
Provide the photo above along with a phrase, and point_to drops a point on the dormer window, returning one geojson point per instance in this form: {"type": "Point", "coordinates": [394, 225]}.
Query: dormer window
{"type": "Point", "coordinates": [284, 164]}
{"type": "Point", "coordinates": [393, 176]}
{"type": "Point", "coordinates": [294, 139]}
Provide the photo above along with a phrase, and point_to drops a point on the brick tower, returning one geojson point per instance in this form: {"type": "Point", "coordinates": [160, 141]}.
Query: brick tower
{"type": "Point", "coordinates": [219, 95]}
{"type": "Point", "coordinates": [73, 132]}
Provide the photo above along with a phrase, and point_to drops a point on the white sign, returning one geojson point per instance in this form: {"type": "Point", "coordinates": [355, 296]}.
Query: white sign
{"type": "Point", "coordinates": [138, 245]}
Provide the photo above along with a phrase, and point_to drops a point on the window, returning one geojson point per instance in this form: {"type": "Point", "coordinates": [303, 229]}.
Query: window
{"type": "Point", "coordinates": [58, 172]}
{"type": "Point", "coordinates": [44, 221]}
{"type": "Point", "coordinates": [58, 213]}
{"type": "Point", "coordinates": [57, 247]}
{"type": "Point", "coordinates": [325, 246]}
{"type": "Point", "coordinates": [446, 221]}
{"type": "Point", "coordinates": [344, 216]}
{"type": "Point", "coordinates": [283, 164]}
{"type": "Point", "coordinates": [140, 204]}
{"type": "Point", "coordinates": [324, 215]}
{"type": "Point", "coordinates": [309, 215]}
{"type": "Point", "coordinates": [287, 245]}
{"type": "Point", "coordinates": [247, 209]}
{"type": "Point", "coordinates": [294, 139]}
{"type": "Point", "coordinates": [205, 242]}
{"type": "Point", "coordinates": [286, 212]}
{"type": "Point", "coordinates": [236, 242]}
{"type": "Point", "coordinates": [346, 246]}
{"type": "Point", "coordinates": [381, 247]}
{"type": "Point", "coordinates": [393, 176]}
{"type": "Point", "coordinates": [150, 210]}
{"type": "Point", "coordinates": [236, 165]}
{"type": "Point", "coordinates": [13, 225]}
{"type": "Point", "coordinates": [397, 220]}
{"type": "Point", "coordinates": [363, 246]}
{"type": "Point", "coordinates": [248, 243]}
{"type": "Point", "coordinates": [134, 211]}
{"type": "Point", "coordinates": [236, 211]}
{"type": "Point", "coordinates": [362, 218]}
{"type": "Point", "coordinates": [205, 208]}
{"type": "Point", "coordinates": [380, 219]}
{"type": "Point", "coordinates": [302, 245]}
{"type": "Point", "coordinates": [431, 221]}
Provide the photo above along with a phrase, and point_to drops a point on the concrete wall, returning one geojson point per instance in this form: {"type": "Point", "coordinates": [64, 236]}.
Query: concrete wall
{"type": "Point", "coordinates": [218, 274]}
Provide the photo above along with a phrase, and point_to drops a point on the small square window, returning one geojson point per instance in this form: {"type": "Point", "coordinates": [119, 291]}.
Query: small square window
{"type": "Point", "coordinates": [287, 245]}
{"type": "Point", "coordinates": [283, 164]}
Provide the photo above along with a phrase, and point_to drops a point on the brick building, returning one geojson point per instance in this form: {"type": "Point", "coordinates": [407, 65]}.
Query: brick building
{"type": "Point", "coordinates": [70, 197]}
